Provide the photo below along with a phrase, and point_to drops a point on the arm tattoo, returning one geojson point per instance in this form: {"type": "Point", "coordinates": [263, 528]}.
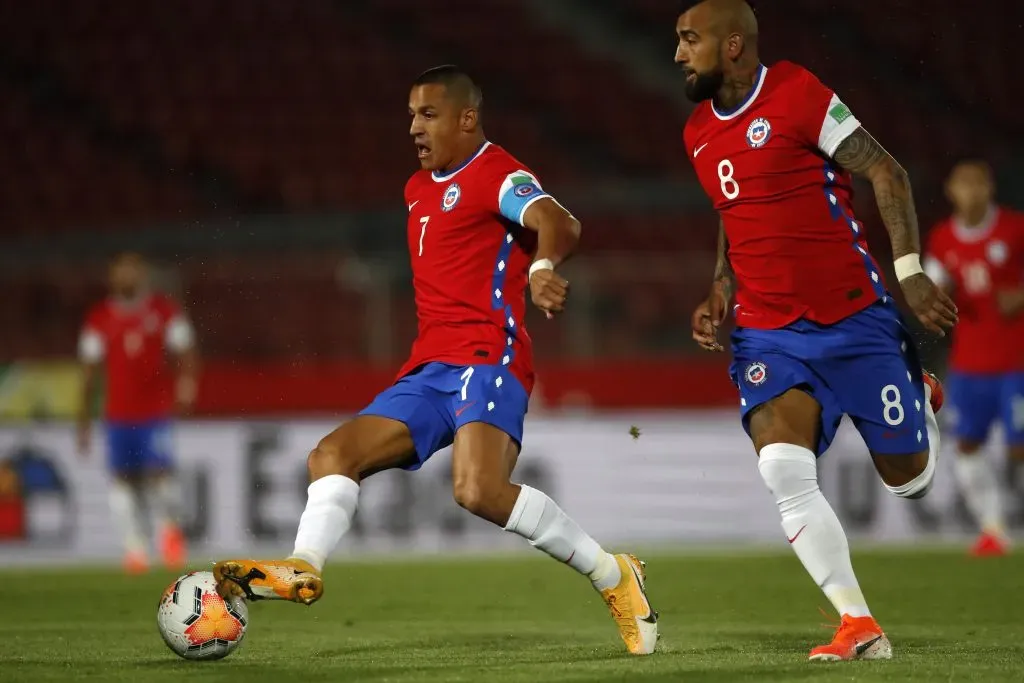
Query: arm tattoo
{"type": "Point", "coordinates": [723, 269]}
{"type": "Point", "coordinates": [861, 154]}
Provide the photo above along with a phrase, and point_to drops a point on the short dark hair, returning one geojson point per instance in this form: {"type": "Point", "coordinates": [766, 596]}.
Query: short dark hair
{"type": "Point", "coordinates": [456, 81]}
{"type": "Point", "coordinates": [685, 6]}
{"type": "Point", "coordinates": [970, 160]}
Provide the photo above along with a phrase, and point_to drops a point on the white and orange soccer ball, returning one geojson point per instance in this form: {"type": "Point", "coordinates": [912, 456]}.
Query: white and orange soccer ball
{"type": "Point", "coordinates": [196, 623]}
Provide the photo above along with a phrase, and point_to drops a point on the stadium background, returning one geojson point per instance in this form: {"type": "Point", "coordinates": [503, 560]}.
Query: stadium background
{"type": "Point", "coordinates": [256, 152]}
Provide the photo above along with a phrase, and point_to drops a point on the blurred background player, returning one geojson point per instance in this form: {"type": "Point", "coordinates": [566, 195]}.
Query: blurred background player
{"type": "Point", "coordinates": [476, 215]}
{"type": "Point", "coordinates": [818, 336]}
{"type": "Point", "coordinates": [128, 337]}
{"type": "Point", "coordinates": [978, 255]}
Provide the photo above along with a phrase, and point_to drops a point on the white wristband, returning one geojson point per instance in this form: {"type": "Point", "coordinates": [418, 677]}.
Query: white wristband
{"type": "Point", "coordinates": [541, 264]}
{"type": "Point", "coordinates": [908, 266]}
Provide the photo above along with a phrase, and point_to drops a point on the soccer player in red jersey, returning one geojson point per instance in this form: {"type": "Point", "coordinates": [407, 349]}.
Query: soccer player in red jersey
{"type": "Point", "coordinates": [476, 217]}
{"type": "Point", "coordinates": [817, 333]}
{"type": "Point", "coordinates": [978, 255]}
{"type": "Point", "coordinates": [128, 337]}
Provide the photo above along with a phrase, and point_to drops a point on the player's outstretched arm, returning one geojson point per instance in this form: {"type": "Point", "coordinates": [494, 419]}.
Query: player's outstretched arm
{"type": "Point", "coordinates": [860, 153]}
{"type": "Point", "coordinates": [558, 234]}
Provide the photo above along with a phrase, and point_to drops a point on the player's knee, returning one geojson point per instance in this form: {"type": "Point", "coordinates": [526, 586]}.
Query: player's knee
{"type": "Point", "coordinates": [479, 495]}
{"type": "Point", "coordinates": [330, 457]}
{"type": "Point", "coordinates": [469, 495]}
{"type": "Point", "coordinates": [789, 471]}
{"type": "Point", "coordinates": [907, 476]}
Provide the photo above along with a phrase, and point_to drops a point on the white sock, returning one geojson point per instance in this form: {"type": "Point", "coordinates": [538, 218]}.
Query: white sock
{"type": "Point", "coordinates": [980, 491]}
{"type": "Point", "coordinates": [164, 494]}
{"type": "Point", "coordinates": [811, 525]}
{"type": "Point", "coordinates": [539, 520]}
{"type": "Point", "coordinates": [330, 507]}
{"type": "Point", "coordinates": [124, 504]}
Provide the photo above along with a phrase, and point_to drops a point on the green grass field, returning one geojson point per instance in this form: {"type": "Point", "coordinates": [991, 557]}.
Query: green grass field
{"type": "Point", "coordinates": [744, 617]}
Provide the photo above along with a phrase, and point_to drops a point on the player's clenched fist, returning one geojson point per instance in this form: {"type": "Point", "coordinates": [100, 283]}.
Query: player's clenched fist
{"type": "Point", "coordinates": [931, 305]}
{"type": "Point", "coordinates": [708, 317]}
{"type": "Point", "coordinates": [548, 290]}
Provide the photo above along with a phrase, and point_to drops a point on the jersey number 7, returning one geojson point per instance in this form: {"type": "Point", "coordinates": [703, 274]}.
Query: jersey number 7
{"type": "Point", "coordinates": [423, 231]}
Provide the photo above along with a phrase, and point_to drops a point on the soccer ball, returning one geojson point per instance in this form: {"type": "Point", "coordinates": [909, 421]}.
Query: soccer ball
{"type": "Point", "coordinates": [196, 623]}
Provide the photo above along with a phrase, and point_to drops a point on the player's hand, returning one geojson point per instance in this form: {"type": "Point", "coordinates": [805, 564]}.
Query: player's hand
{"type": "Point", "coordinates": [548, 290]}
{"type": "Point", "coordinates": [930, 304]}
{"type": "Point", "coordinates": [83, 437]}
{"type": "Point", "coordinates": [708, 318]}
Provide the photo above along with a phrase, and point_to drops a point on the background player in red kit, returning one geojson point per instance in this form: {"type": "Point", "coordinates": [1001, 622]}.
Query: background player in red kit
{"type": "Point", "coordinates": [818, 335]}
{"type": "Point", "coordinates": [129, 336]}
{"type": "Point", "coordinates": [476, 215]}
{"type": "Point", "coordinates": [978, 255]}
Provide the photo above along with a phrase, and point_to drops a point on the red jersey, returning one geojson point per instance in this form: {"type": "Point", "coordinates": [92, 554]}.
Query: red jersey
{"type": "Point", "coordinates": [978, 262]}
{"type": "Point", "coordinates": [133, 341]}
{"type": "Point", "coordinates": [470, 261]}
{"type": "Point", "coordinates": [794, 244]}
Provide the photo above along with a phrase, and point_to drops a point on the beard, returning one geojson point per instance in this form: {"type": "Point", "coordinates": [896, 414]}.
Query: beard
{"type": "Point", "coordinates": [705, 85]}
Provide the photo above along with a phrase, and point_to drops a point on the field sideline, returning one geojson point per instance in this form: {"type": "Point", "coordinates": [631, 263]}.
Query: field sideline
{"type": "Point", "coordinates": [725, 616]}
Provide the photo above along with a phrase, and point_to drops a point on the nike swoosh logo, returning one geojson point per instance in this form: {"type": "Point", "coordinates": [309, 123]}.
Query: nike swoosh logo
{"type": "Point", "coordinates": [461, 410]}
{"type": "Point", "coordinates": [413, 204]}
{"type": "Point", "coordinates": [863, 647]}
{"type": "Point", "coordinates": [697, 151]}
{"type": "Point", "coordinates": [652, 616]}
{"type": "Point", "coordinates": [793, 540]}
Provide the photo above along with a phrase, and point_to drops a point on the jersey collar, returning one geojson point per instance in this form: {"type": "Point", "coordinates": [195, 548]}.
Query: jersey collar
{"type": "Point", "coordinates": [442, 177]}
{"type": "Point", "coordinates": [747, 101]}
{"type": "Point", "coordinates": [976, 233]}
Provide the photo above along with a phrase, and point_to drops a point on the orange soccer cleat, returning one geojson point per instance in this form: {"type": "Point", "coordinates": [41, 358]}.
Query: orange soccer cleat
{"type": "Point", "coordinates": [628, 604]}
{"type": "Point", "coordinates": [938, 396]}
{"type": "Point", "coordinates": [291, 579]}
{"type": "Point", "coordinates": [173, 547]}
{"type": "Point", "coordinates": [856, 638]}
{"type": "Point", "coordinates": [136, 562]}
{"type": "Point", "coordinates": [990, 545]}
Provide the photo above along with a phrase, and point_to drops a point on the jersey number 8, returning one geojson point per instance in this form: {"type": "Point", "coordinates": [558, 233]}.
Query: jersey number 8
{"type": "Point", "coordinates": [892, 408]}
{"type": "Point", "coordinates": [730, 188]}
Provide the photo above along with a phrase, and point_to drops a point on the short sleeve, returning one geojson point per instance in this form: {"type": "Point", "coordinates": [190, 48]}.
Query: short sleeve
{"type": "Point", "coordinates": [179, 335]}
{"type": "Point", "coordinates": [826, 121]}
{"type": "Point", "coordinates": [518, 190]}
{"type": "Point", "coordinates": [91, 347]}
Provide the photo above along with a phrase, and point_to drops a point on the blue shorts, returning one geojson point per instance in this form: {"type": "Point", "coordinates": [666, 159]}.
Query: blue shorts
{"type": "Point", "coordinates": [139, 447]}
{"type": "Point", "coordinates": [864, 366]}
{"type": "Point", "coordinates": [437, 399]}
{"type": "Point", "coordinates": [977, 401]}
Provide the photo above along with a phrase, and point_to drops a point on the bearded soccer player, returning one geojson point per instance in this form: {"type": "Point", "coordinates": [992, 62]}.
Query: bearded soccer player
{"type": "Point", "coordinates": [476, 215]}
{"type": "Point", "coordinates": [818, 336]}
{"type": "Point", "coordinates": [978, 255]}
{"type": "Point", "coordinates": [129, 337]}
